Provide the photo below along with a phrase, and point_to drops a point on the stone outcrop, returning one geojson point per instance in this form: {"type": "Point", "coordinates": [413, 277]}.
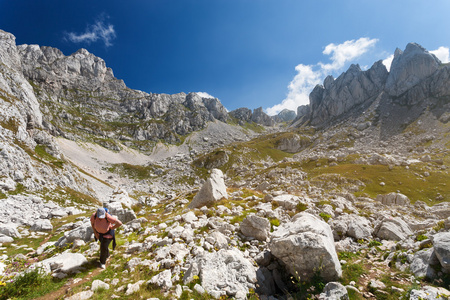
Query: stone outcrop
{"type": "Point", "coordinates": [410, 67]}
{"type": "Point", "coordinates": [83, 80]}
{"type": "Point", "coordinates": [306, 246]}
{"type": "Point", "coordinates": [213, 190]}
{"type": "Point", "coordinates": [285, 115]}
{"type": "Point", "coordinates": [393, 199]}
{"type": "Point", "coordinates": [352, 88]}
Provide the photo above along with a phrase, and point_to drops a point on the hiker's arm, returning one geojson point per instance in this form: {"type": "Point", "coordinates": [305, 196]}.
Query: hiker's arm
{"type": "Point", "coordinates": [117, 224]}
{"type": "Point", "coordinates": [93, 227]}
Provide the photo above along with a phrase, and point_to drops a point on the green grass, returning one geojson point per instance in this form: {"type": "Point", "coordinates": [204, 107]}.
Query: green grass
{"type": "Point", "coordinates": [399, 178]}
{"type": "Point", "coordinates": [137, 172]}
{"type": "Point", "coordinates": [30, 285]}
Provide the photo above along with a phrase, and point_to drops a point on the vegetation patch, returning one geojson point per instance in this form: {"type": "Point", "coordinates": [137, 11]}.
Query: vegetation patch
{"type": "Point", "coordinates": [396, 178]}
{"type": "Point", "coordinates": [137, 172]}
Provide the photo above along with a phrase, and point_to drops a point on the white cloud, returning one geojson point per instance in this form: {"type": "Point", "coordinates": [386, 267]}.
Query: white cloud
{"type": "Point", "coordinates": [205, 95]}
{"type": "Point", "coordinates": [308, 76]}
{"type": "Point", "coordinates": [346, 52]}
{"type": "Point", "coordinates": [98, 31]}
{"type": "Point", "coordinates": [388, 61]}
{"type": "Point", "coordinates": [299, 89]}
{"type": "Point", "coordinates": [443, 54]}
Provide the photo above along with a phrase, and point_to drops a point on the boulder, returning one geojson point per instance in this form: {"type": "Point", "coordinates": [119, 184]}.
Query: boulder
{"type": "Point", "coordinates": [393, 199]}
{"type": "Point", "coordinates": [334, 291]}
{"type": "Point", "coordinates": [429, 293]}
{"type": "Point", "coordinates": [99, 285]}
{"type": "Point", "coordinates": [257, 227]}
{"type": "Point", "coordinates": [162, 280]}
{"type": "Point", "coordinates": [83, 232]}
{"type": "Point", "coordinates": [213, 190]}
{"type": "Point", "coordinates": [42, 225]}
{"type": "Point", "coordinates": [306, 246]}
{"type": "Point", "coordinates": [65, 262]}
{"type": "Point", "coordinates": [81, 296]}
{"type": "Point", "coordinates": [9, 230]}
{"type": "Point", "coordinates": [353, 226]}
{"type": "Point", "coordinates": [6, 239]}
{"type": "Point", "coordinates": [441, 244]}
{"type": "Point", "coordinates": [226, 272]}
{"type": "Point", "coordinates": [392, 229]}
{"type": "Point", "coordinates": [421, 263]}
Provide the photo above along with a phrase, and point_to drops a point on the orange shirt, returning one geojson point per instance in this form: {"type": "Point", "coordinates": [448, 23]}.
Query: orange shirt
{"type": "Point", "coordinates": [104, 225]}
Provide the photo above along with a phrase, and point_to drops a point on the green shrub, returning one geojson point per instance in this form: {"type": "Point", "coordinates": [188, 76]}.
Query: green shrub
{"type": "Point", "coordinates": [325, 216]}
{"type": "Point", "coordinates": [301, 207]}
{"type": "Point", "coordinates": [439, 226]}
{"type": "Point", "coordinates": [373, 243]}
{"type": "Point", "coordinates": [421, 237]}
{"type": "Point", "coordinates": [24, 284]}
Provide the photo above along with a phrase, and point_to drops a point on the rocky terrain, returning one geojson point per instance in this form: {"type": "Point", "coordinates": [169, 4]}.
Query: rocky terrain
{"type": "Point", "coordinates": [349, 199]}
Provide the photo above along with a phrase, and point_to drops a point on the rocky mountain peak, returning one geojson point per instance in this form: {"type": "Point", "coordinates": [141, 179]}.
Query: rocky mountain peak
{"type": "Point", "coordinates": [409, 68]}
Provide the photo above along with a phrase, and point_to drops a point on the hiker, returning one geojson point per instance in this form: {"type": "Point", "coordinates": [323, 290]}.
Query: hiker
{"type": "Point", "coordinates": [104, 226]}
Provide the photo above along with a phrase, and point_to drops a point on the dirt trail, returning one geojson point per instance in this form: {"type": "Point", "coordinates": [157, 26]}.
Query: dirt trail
{"type": "Point", "coordinates": [64, 291]}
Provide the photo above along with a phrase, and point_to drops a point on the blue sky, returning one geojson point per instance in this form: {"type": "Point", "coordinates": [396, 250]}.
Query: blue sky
{"type": "Point", "coordinates": [247, 53]}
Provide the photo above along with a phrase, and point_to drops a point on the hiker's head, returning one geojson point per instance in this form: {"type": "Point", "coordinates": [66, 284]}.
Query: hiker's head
{"type": "Point", "coordinates": [101, 213]}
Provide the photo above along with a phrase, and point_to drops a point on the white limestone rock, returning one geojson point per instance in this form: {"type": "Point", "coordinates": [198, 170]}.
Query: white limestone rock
{"type": "Point", "coordinates": [392, 229]}
{"type": "Point", "coordinates": [66, 262]}
{"type": "Point", "coordinates": [393, 199]}
{"type": "Point", "coordinates": [306, 245]}
{"type": "Point", "coordinates": [334, 291]}
{"type": "Point", "coordinates": [226, 272]}
{"type": "Point", "coordinates": [353, 226]}
{"type": "Point", "coordinates": [257, 227]}
{"type": "Point", "coordinates": [213, 190]}
{"type": "Point", "coordinates": [99, 285]}
{"type": "Point", "coordinates": [441, 245]}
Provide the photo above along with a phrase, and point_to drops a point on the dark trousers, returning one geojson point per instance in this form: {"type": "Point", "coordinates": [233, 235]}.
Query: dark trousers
{"type": "Point", "coordinates": [104, 249]}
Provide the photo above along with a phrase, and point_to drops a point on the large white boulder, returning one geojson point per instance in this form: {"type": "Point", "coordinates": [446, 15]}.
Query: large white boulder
{"type": "Point", "coordinates": [306, 246]}
{"type": "Point", "coordinates": [394, 229]}
{"type": "Point", "coordinates": [257, 227]}
{"type": "Point", "coordinates": [226, 272]}
{"type": "Point", "coordinates": [213, 190]}
{"type": "Point", "coordinates": [353, 226]}
{"type": "Point", "coordinates": [393, 199]}
{"type": "Point", "coordinates": [65, 262]}
{"type": "Point", "coordinates": [42, 225]}
{"type": "Point", "coordinates": [441, 244]}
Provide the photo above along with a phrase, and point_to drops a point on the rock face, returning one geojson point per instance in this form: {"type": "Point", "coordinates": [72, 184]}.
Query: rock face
{"type": "Point", "coordinates": [21, 124]}
{"type": "Point", "coordinates": [285, 115]}
{"type": "Point", "coordinates": [306, 246]}
{"type": "Point", "coordinates": [82, 81]}
{"type": "Point", "coordinates": [213, 190]}
{"type": "Point", "coordinates": [415, 83]}
{"type": "Point", "coordinates": [350, 89]}
{"type": "Point", "coordinates": [409, 68]}
{"type": "Point", "coordinates": [245, 115]}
